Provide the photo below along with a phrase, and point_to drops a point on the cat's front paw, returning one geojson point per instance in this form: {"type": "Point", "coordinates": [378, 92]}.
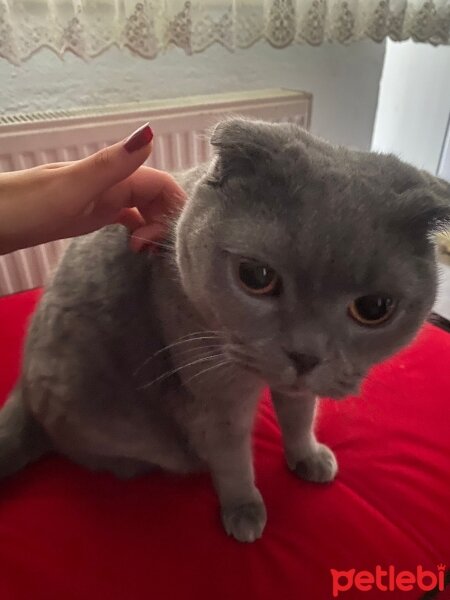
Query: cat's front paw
{"type": "Point", "coordinates": [320, 466]}
{"type": "Point", "coordinates": [245, 522]}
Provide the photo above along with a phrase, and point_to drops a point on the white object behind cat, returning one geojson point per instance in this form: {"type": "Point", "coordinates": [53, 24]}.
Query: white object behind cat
{"type": "Point", "coordinates": [27, 140]}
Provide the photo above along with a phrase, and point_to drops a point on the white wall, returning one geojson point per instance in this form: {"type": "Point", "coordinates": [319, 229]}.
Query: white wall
{"type": "Point", "coordinates": [414, 103]}
{"type": "Point", "coordinates": [343, 79]}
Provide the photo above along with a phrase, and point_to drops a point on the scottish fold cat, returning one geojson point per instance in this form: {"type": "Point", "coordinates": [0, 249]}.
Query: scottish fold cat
{"type": "Point", "coordinates": [293, 264]}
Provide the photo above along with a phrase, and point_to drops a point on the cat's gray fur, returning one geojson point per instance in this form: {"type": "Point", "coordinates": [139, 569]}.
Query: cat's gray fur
{"type": "Point", "coordinates": [334, 223]}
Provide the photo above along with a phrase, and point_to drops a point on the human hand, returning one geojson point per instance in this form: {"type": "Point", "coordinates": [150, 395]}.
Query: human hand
{"type": "Point", "coordinates": [63, 200]}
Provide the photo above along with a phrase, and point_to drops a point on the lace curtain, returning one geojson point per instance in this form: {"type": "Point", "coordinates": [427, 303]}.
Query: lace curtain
{"type": "Point", "coordinates": [147, 27]}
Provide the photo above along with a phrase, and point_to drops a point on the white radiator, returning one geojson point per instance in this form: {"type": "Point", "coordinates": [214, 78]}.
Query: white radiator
{"type": "Point", "coordinates": [27, 140]}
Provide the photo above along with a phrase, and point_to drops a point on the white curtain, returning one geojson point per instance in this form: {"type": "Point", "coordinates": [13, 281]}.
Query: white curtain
{"type": "Point", "coordinates": [147, 27]}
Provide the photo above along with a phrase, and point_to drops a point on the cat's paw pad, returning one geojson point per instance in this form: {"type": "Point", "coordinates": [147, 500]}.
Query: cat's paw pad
{"type": "Point", "coordinates": [245, 522]}
{"type": "Point", "coordinates": [320, 466]}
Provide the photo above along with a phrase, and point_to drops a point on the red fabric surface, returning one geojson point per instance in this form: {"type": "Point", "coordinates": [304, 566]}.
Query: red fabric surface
{"type": "Point", "coordinates": [66, 533]}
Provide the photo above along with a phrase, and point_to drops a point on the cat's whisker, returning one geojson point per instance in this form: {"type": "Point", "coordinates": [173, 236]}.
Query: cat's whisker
{"type": "Point", "coordinates": [192, 336]}
{"type": "Point", "coordinates": [345, 359]}
{"type": "Point", "coordinates": [221, 364]}
{"type": "Point", "coordinates": [177, 369]}
{"type": "Point", "coordinates": [153, 242]}
{"type": "Point", "coordinates": [241, 357]}
{"type": "Point", "coordinates": [201, 331]}
{"type": "Point", "coordinates": [185, 351]}
{"type": "Point", "coordinates": [168, 347]}
{"type": "Point", "coordinates": [226, 371]}
{"type": "Point", "coordinates": [185, 341]}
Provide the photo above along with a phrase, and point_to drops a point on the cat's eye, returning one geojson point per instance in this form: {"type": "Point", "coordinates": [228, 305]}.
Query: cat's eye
{"type": "Point", "coordinates": [372, 310]}
{"type": "Point", "coordinates": [257, 278]}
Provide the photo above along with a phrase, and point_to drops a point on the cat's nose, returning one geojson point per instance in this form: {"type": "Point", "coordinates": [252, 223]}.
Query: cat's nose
{"type": "Point", "coordinates": [304, 363]}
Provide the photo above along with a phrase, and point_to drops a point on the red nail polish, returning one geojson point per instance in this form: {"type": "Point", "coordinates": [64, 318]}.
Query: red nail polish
{"type": "Point", "coordinates": [140, 138]}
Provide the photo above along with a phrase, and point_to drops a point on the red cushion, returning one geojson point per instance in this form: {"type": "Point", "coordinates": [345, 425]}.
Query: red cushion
{"type": "Point", "coordinates": [66, 533]}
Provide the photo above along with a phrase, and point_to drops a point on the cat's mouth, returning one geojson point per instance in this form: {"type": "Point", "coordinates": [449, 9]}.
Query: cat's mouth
{"type": "Point", "coordinates": [335, 391]}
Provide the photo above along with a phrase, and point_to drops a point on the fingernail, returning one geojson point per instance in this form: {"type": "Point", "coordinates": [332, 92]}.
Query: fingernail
{"type": "Point", "coordinates": [140, 138]}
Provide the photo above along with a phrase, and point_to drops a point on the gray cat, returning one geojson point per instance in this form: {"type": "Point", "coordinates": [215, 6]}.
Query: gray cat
{"type": "Point", "coordinates": [294, 264]}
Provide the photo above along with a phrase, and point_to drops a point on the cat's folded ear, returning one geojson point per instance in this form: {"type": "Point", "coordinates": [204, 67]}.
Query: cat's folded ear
{"type": "Point", "coordinates": [242, 148]}
{"type": "Point", "coordinates": [427, 205]}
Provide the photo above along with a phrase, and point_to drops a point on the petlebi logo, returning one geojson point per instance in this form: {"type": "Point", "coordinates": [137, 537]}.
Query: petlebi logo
{"type": "Point", "coordinates": [388, 579]}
